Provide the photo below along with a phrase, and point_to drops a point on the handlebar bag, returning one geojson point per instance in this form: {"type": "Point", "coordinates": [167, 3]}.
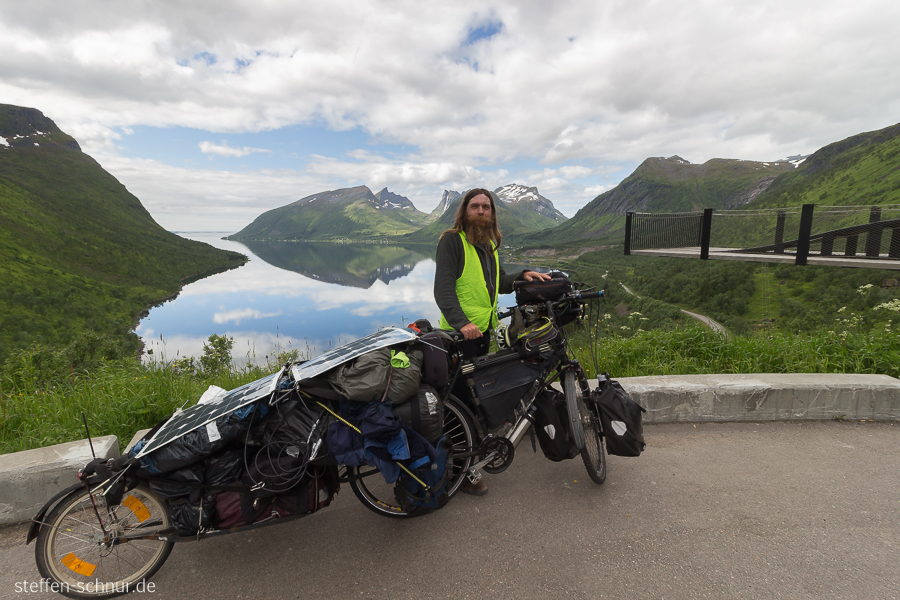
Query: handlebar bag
{"type": "Point", "coordinates": [620, 417]}
{"type": "Point", "coordinates": [538, 292]}
{"type": "Point", "coordinates": [501, 387]}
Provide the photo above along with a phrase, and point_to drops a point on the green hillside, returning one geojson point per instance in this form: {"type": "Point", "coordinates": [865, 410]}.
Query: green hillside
{"type": "Point", "coordinates": [664, 185]}
{"type": "Point", "coordinates": [863, 169]}
{"type": "Point", "coordinates": [78, 252]}
{"type": "Point", "coordinates": [354, 213]}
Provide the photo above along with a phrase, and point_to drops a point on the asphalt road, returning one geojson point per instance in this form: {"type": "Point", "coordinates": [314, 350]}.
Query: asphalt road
{"type": "Point", "coordinates": [718, 510]}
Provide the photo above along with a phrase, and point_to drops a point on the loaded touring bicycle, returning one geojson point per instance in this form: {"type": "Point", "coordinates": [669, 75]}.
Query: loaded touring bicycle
{"type": "Point", "coordinates": [280, 448]}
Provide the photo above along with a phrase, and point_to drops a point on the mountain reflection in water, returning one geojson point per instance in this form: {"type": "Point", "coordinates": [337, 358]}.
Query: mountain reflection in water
{"type": "Point", "coordinates": [296, 296]}
{"type": "Point", "coordinates": [353, 265]}
{"type": "Point", "coordinates": [303, 296]}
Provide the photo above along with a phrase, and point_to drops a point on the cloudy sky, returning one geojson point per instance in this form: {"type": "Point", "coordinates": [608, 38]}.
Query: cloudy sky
{"type": "Point", "coordinates": [213, 112]}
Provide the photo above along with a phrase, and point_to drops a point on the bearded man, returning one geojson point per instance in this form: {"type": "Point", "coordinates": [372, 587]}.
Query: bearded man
{"type": "Point", "coordinates": [469, 277]}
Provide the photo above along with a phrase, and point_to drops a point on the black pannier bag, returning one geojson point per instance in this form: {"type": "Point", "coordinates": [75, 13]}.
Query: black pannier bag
{"type": "Point", "coordinates": [315, 491]}
{"type": "Point", "coordinates": [620, 417]}
{"type": "Point", "coordinates": [424, 412]}
{"type": "Point", "coordinates": [538, 292]}
{"type": "Point", "coordinates": [550, 425]}
{"type": "Point", "coordinates": [500, 387]}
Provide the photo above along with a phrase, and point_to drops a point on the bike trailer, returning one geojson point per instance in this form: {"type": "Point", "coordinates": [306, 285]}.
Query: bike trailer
{"type": "Point", "coordinates": [620, 417]}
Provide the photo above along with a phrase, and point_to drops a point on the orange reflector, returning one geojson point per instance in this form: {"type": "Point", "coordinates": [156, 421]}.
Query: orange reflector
{"type": "Point", "coordinates": [137, 507]}
{"type": "Point", "coordinates": [78, 565]}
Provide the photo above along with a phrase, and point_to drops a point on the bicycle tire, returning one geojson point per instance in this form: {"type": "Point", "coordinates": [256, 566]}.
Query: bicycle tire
{"type": "Point", "coordinates": [378, 496]}
{"type": "Point", "coordinates": [592, 454]}
{"type": "Point", "coordinates": [573, 395]}
{"type": "Point", "coordinates": [70, 550]}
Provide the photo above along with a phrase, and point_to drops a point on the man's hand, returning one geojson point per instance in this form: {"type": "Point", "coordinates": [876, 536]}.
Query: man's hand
{"type": "Point", "coordinates": [532, 275]}
{"type": "Point", "coordinates": [470, 331]}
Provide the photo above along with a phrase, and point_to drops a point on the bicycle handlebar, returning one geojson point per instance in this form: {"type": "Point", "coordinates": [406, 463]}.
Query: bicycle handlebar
{"type": "Point", "coordinates": [576, 296]}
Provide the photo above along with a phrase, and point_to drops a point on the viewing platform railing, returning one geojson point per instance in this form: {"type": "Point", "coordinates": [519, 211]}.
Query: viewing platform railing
{"type": "Point", "coordinates": [862, 236]}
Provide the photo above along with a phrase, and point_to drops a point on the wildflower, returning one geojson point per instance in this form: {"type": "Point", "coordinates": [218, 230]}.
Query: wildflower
{"type": "Point", "coordinates": [625, 328]}
{"type": "Point", "coordinates": [862, 289]}
{"type": "Point", "coordinates": [842, 309]}
{"type": "Point", "coordinates": [893, 306]}
{"type": "Point", "coordinates": [607, 316]}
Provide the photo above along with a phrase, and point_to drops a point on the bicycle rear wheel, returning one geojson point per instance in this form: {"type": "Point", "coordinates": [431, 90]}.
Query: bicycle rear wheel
{"type": "Point", "coordinates": [379, 497]}
{"type": "Point", "coordinates": [73, 550]}
{"type": "Point", "coordinates": [573, 399]}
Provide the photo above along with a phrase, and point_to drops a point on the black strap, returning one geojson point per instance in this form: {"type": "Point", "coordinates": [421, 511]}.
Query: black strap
{"type": "Point", "coordinates": [319, 388]}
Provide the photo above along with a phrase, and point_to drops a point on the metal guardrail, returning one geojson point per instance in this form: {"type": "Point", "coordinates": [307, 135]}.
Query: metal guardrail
{"type": "Point", "coordinates": [869, 232]}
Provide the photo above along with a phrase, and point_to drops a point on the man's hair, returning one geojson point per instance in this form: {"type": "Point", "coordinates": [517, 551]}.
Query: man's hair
{"type": "Point", "coordinates": [460, 219]}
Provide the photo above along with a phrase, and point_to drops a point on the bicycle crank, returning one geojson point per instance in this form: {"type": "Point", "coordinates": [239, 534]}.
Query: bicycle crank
{"type": "Point", "coordinates": [496, 454]}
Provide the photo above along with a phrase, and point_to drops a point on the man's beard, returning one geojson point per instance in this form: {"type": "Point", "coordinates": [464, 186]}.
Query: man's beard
{"type": "Point", "coordinates": [480, 231]}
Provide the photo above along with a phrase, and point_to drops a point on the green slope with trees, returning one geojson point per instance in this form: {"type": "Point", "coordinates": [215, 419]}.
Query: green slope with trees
{"type": "Point", "coordinates": [78, 252]}
{"type": "Point", "coordinates": [863, 169]}
{"type": "Point", "coordinates": [350, 213]}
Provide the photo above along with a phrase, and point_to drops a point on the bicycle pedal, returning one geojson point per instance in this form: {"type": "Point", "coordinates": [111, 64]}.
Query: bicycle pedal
{"type": "Point", "coordinates": [473, 476]}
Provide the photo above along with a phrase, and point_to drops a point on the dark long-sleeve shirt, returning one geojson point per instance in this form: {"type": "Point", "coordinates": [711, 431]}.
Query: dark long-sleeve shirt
{"type": "Point", "coordinates": [450, 263]}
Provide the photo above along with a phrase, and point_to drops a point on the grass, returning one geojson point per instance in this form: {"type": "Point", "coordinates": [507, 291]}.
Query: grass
{"type": "Point", "coordinates": [118, 398]}
{"type": "Point", "coordinates": [694, 350]}
{"type": "Point", "coordinates": [121, 397]}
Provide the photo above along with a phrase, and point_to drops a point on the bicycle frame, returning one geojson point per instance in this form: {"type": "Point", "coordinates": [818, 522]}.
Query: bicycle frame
{"type": "Point", "coordinates": [515, 430]}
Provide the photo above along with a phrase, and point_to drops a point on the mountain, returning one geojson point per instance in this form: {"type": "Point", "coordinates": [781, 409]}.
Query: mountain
{"type": "Point", "coordinates": [352, 265]}
{"type": "Point", "coordinates": [78, 252]}
{"type": "Point", "coordinates": [862, 169]}
{"type": "Point", "coordinates": [534, 209]}
{"type": "Point", "coordinates": [666, 185]}
{"type": "Point", "coordinates": [519, 216]}
{"type": "Point", "coordinates": [447, 199]}
{"type": "Point", "coordinates": [345, 213]}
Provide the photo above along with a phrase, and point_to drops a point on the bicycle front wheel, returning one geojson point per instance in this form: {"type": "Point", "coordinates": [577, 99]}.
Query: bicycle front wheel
{"type": "Point", "coordinates": [573, 399]}
{"type": "Point", "coordinates": [370, 488]}
{"type": "Point", "coordinates": [592, 454]}
{"type": "Point", "coordinates": [90, 561]}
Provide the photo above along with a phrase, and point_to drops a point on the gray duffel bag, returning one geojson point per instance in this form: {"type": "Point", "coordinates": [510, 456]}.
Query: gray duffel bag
{"type": "Point", "coordinates": [366, 377]}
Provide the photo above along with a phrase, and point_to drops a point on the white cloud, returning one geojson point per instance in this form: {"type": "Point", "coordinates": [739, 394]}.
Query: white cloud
{"type": "Point", "coordinates": [572, 86]}
{"type": "Point", "coordinates": [225, 150]}
{"type": "Point", "coordinates": [241, 314]}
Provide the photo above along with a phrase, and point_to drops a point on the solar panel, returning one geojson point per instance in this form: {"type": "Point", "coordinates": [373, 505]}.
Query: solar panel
{"type": "Point", "coordinates": [379, 339]}
{"type": "Point", "coordinates": [201, 414]}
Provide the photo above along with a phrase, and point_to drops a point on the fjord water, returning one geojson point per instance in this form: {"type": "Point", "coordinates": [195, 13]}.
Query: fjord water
{"type": "Point", "coordinates": [294, 295]}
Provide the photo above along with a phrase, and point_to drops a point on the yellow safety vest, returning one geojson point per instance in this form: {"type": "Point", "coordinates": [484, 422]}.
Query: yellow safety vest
{"type": "Point", "coordinates": [472, 289]}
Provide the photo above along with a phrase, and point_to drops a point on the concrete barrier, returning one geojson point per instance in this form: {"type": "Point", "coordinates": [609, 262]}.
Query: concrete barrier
{"type": "Point", "coordinates": [765, 397]}
{"type": "Point", "coordinates": [28, 479]}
